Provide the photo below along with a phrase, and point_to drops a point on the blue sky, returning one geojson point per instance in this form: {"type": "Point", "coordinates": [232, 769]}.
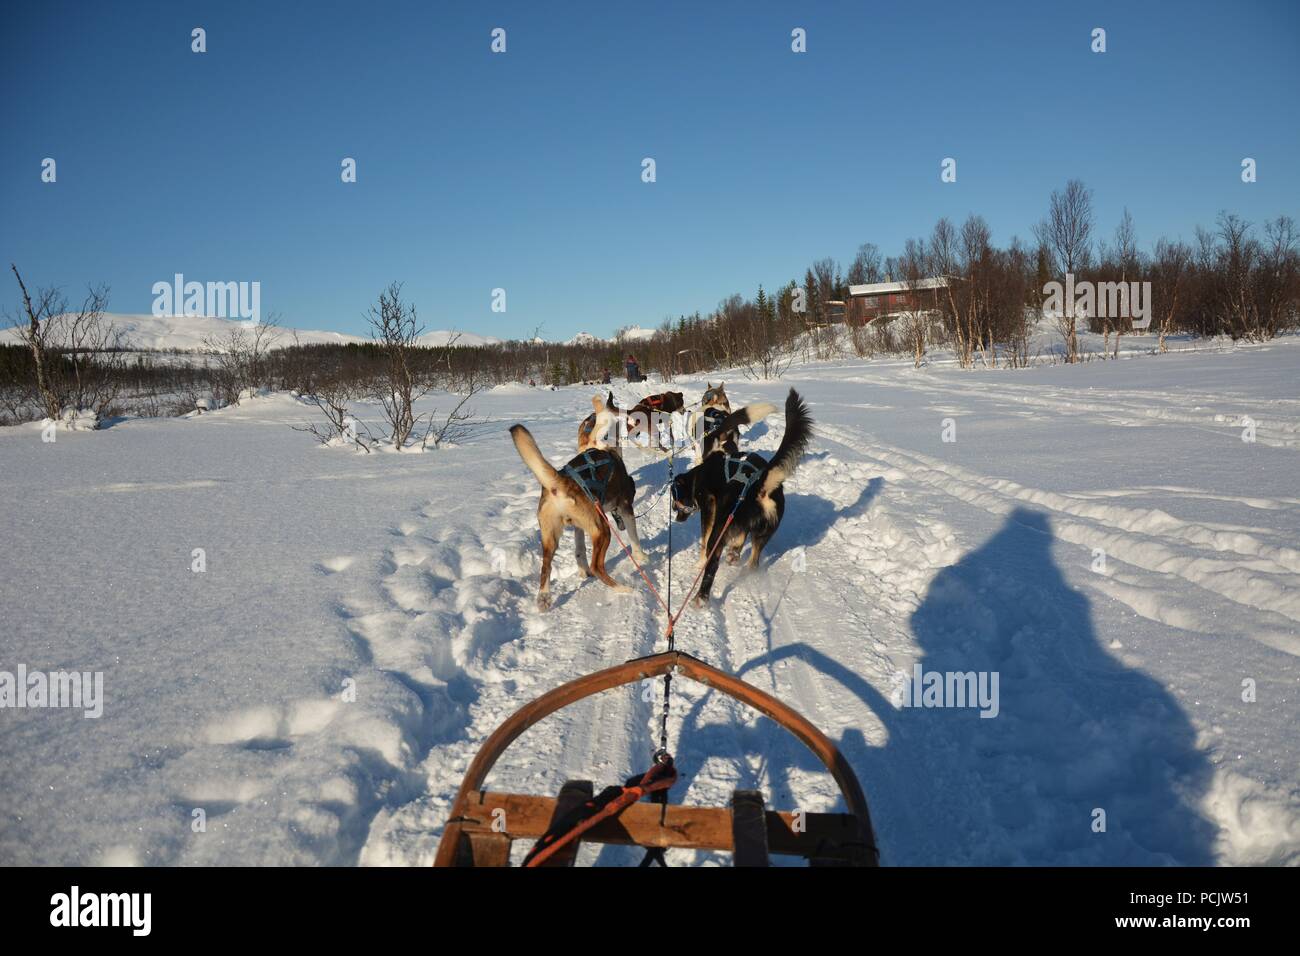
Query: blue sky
{"type": "Point", "coordinates": [523, 170]}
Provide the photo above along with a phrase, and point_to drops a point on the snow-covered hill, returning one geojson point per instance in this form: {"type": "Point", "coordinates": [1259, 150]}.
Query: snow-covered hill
{"type": "Point", "coordinates": [188, 333]}
{"type": "Point", "coordinates": [1100, 537]}
{"type": "Point", "coordinates": [466, 339]}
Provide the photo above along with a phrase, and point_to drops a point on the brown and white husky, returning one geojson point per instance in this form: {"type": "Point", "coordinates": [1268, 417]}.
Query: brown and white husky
{"type": "Point", "coordinates": [714, 407]}
{"type": "Point", "coordinates": [600, 429]}
{"type": "Point", "coordinates": [579, 495]}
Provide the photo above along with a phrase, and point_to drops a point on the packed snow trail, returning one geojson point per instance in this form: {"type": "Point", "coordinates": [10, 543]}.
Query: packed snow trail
{"type": "Point", "coordinates": [411, 580]}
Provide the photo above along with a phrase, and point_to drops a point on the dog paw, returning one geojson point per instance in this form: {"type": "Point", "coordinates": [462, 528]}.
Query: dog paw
{"type": "Point", "coordinates": [640, 556]}
{"type": "Point", "coordinates": [543, 601]}
{"type": "Point", "coordinates": [700, 600]}
{"type": "Point", "coordinates": [733, 557]}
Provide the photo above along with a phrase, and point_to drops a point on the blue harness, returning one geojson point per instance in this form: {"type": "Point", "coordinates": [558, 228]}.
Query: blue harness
{"type": "Point", "coordinates": [713, 417]}
{"type": "Point", "coordinates": [741, 470]}
{"type": "Point", "coordinates": [587, 478]}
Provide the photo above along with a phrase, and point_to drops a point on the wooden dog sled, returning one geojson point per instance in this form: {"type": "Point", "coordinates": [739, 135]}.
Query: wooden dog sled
{"type": "Point", "coordinates": [484, 823]}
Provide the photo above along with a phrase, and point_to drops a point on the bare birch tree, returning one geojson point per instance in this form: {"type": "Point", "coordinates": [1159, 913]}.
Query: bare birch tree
{"type": "Point", "coordinates": [1067, 235]}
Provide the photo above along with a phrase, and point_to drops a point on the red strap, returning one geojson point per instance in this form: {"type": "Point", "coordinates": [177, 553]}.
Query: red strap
{"type": "Point", "coordinates": [659, 777]}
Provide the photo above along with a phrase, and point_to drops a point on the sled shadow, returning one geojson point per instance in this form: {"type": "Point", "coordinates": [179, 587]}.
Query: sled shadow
{"type": "Point", "coordinates": [1076, 733]}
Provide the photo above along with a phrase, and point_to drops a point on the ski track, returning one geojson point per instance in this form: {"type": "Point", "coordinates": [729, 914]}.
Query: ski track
{"type": "Point", "coordinates": [1277, 421]}
{"type": "Point", "coordinates": [1265, 579]}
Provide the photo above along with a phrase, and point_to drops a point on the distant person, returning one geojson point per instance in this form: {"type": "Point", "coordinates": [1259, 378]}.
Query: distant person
{"type": "Point", "coordinates": [604, 377]}
{"type": "Point", "coordinates": [633, 369]}
{"type": "Point", "coordinates": [532, 383]}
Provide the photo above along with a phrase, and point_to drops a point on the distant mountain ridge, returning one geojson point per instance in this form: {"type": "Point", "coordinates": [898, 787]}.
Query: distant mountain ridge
{"type": "Point", "coordinates": [186, 333]}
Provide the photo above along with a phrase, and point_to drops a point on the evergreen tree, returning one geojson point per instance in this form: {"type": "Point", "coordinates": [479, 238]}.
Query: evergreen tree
{"type": "Point", "coordinates": [763, 306]}
{"type": "Point", "coordinates": [812, 300]}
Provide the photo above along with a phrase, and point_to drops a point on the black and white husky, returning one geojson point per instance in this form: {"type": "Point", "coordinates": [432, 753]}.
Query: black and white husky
{"type": "Point", "coordinates": [747, 484]}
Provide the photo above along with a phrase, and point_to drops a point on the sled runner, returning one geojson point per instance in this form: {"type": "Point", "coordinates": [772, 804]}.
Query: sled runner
{"type": "Point", "coordinates": [484, 823]}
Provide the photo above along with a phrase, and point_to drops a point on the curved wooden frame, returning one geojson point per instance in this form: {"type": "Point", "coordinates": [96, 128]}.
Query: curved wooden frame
{"type": "Point", "coordinates": [640, 669]}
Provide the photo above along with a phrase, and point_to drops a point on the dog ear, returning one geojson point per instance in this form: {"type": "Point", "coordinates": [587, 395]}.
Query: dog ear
{"type": "Point", "coordinates": [597, 404]}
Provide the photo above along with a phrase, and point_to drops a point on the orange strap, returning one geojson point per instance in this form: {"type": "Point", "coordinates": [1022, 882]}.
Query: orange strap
{"type": "Point", "coordinates": [703, 567]}
{"type": "Point", "coordinates": [659, 777]}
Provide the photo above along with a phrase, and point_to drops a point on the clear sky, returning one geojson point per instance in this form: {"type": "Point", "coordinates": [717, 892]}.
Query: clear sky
{"type": "Point", "coordinates": [522, 170]}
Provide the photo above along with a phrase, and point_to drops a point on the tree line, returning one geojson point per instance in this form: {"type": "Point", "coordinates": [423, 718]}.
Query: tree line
{"type": "Point", "coordinates": [1234, 278]}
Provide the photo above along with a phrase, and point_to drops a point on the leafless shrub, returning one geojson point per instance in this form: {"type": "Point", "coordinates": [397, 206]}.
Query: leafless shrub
{"type": "Point", "coordinates": [239, 357]}
{"type": "Point", "coordinates": [456, 426]}
{"type": "Point", "coordinates": [331, 397]}
{"type": "Point", "coordinates": [76, 356]}
{"type": "Point", "coordinates": [395, 329]}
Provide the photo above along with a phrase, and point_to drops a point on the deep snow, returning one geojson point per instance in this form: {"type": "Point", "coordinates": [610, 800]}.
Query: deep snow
{"type": "Point", "coordinates": [415, 577]}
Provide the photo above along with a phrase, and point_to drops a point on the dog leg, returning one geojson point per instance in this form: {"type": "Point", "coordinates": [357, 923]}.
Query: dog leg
{"type": "Point", "coordinates": [634, 539]}
{"type": "Point", "coordinates": [580, 551]}
{"type": "Point", "coordinates": [550, 541]}
{"type": "Point", "coordinates": [600, 539]}
{"type": "Point", "coordinates": [710, 569]}
{"type": "Point", "coordinates": [707, 512]}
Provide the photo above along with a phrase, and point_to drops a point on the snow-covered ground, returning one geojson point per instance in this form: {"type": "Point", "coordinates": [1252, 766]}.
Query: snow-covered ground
{"type": "Point", "coordinates": [413, 579]}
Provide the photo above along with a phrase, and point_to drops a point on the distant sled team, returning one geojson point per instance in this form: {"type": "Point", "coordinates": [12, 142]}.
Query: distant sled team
{"type": "Point", "coordinates": [739, 497]}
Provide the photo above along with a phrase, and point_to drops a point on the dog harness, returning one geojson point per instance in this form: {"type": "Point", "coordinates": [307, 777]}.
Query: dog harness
{"type": "Point", "coordinates": [741, 470]}
{"type": "Point", "coordinates": [713, 417]}
{"type": "Point", "coordinates": [587, 476]}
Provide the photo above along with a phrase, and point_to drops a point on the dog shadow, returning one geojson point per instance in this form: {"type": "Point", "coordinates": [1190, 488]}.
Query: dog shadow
{"type": "Point", "coordinates": [808, 518]}
{"type": "Point", "coordinates": [1087, 762]}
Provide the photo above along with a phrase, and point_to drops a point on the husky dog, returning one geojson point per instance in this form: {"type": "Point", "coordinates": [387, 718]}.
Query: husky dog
{"type": "Point", "coordinates": [643, 417]}
{"type": "Point", "coordinates": [749, 484]}
{"type": "Point", "coordinates": [714, 407]}
{"type": "Point", "coordinates": [580, 494]}
{"type": "Point", "coordinates": [600, 428]}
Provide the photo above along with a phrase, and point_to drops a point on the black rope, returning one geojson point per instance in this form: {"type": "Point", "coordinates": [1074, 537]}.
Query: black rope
{"type": "Point", "coordinates": [653, 502]}
{"type": "Point", "coordinates": [668, 676]}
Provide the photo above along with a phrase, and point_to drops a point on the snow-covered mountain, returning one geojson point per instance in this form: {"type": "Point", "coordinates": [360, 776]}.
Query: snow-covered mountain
{"type": "Point", "coordinates": [632, 333]}
{"type": "Point", "coordinates": [188, 333]}
{"type": "Point", "coordinates": [635, 333]}
{"type": "Point", "coordinates": [466, 339]}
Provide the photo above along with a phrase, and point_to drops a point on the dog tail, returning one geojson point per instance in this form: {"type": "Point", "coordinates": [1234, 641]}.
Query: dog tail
{"type": "Point", "coordinates": [749, 415]}
{"type": "Point", "coordinates": [533, 457]}
{"type": "Point", "coordinates": [798, 433]}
